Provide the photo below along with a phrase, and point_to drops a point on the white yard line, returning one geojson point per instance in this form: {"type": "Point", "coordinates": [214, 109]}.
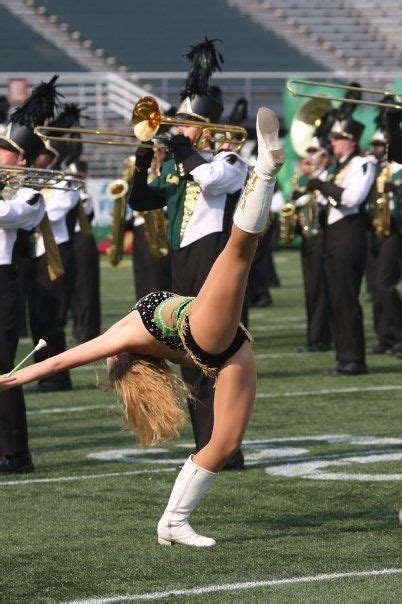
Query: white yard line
{"type": "Point", "coordinates": [196, 591]}
{"type": "Point", "coordinates": [77, 409]}
{"type": "Point", "coordinates": [329, 391]}
{"type": "Point", "coordinates": [11, 483]}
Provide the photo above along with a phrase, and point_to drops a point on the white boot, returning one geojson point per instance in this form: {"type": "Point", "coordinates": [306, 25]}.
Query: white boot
{"type": "Point", "coordinates": [252, 211]}
{"type": "Point", "coordinates": [191, 484]}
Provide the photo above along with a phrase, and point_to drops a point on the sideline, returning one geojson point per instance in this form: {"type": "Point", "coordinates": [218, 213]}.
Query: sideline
{"type": "Point", "coordinates": [329, 391]}
{"type": "Point", "coordinates": [236, 586]}
{"type": "Point", "coordinates": [13, 483]}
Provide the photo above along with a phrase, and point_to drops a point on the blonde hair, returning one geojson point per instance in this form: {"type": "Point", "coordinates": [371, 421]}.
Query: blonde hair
{"type": "Point", "coordinates": [151, 395]}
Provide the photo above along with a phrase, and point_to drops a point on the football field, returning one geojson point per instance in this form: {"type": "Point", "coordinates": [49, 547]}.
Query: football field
{"type": "Point", "coordinates": [312, 519]}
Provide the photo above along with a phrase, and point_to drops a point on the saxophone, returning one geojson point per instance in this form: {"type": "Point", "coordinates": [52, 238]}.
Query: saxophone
{"type": "Point", "coordinates": [382, 210]}
{"type": "Point", "coordinates": [118, 190]}
{"type": "Point", "coordinates": [308, 212]}
{"type": "Point", "coordinates": [156, 221]}
{"type": "Point", "coordinates": [288, 216]}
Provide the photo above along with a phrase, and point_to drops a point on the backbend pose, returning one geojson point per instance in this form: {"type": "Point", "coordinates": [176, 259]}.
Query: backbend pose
{"type": "Point", "coordinates": [205, 331]}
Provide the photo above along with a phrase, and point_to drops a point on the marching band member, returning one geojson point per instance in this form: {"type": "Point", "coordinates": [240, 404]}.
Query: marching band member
{"type": "Point", "coordinates": [21, 213]}
{"type": "Point", "coordinates": [312, 252]}
{"type": "Point", "coordinates": [52, 298]}
{"type": "Point", "coordinates": [345, 243]}
{"type": "Point", "coordinates": [386, 249]}
{"type": "Point", "coordinates": [85, 295]}
{"type": "Point", "coordinates": [150, 273]}
{"type": "Point", "coordinates": [200, 190]}
{"type": "Point", "coordinates": [204, 331]}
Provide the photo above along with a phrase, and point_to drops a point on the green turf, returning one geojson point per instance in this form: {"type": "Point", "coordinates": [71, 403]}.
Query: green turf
{"type": "Point", "coordinates": [96, 537]}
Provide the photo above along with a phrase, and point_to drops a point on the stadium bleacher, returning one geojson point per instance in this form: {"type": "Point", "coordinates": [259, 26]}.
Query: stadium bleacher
{"type": "Point", "coordinates": [126, 32]}
{"type": "Point", "coordinates": [22, 49]}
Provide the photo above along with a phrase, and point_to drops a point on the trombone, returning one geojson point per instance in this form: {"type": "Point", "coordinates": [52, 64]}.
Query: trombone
{"type": "Point", "coordinates": [15, 177]}
{"type": "Point", "coordinates": [396, 96]}
{"type": "Point", "coordinates": [146, 120]}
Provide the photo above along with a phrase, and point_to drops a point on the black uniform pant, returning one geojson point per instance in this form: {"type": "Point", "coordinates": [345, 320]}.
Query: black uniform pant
{"type": "Point", "coordinates": [85, 298]}
{"type": "Point", "coordinates": [345, 256]}
{"type": "Point", "coordinates": [190, 268]}
{"type": "Point", "coordinates": [150, 275]}
{"type": "Point", "coordinates": [315, 291]}
{"type": "Point", "coordinates": [387, 304]}
{"type": "Point", "coordinates": [52, 302]}
{"type": "Point", "coordinates": [13, 425]}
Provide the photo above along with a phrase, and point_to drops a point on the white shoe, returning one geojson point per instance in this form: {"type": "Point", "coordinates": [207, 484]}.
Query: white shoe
{"type": "Point", "coordinates": [191, 484]}
{"type": "Point", "coordinates": [270, 156]}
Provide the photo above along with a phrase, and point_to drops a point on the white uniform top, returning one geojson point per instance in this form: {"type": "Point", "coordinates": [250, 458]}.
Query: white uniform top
{"type": "Point", "coordinates": [217, 179]}
{"type": "Point", "coordinates": [321, 200]}
{"type": "Point", "coordinates": [16, 213]}
{"type": "Point", "coordinates": [357, 182]}
{"type": "Point", "coordinates": [278, 201]}
{"type": "Point", "coordinates": [86, 201]}
{"type": "Point", "coordinates": [58, 205]}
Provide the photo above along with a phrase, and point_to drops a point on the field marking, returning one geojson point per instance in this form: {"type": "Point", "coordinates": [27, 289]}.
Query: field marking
{"type": "Point", "coordinates": [77, 409]}
{"type": "Point", "coordinates": [156, 595]}
{"type": "Point", "coordinates": [312, 469]}
{"type": "Point", "coordinates": [11, 483]}
{"type": "Point", "coordinates": [329, 391]}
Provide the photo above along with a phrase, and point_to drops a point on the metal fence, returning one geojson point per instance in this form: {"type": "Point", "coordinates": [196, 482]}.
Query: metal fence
{"type": "Point", "coordinates": [109, 98]}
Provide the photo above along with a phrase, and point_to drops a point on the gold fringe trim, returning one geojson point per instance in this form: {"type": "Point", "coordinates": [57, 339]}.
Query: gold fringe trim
{"type": "Point", "coordinates": [182, 327]}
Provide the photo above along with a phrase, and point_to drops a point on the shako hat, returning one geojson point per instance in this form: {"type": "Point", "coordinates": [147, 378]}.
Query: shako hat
{"type": "Point", "coordinates": [19, 135]}
{"type": "Point", "coordinates": [201, 102]}
{"type": "Point", "coordinates": [347, 128]}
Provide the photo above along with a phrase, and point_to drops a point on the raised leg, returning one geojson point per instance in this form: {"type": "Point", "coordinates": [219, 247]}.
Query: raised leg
{"type": "Point", "coordinates": [216, 312]}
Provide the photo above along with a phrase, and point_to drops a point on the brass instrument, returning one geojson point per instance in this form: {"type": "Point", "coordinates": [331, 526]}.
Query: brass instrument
{"type": "Point", "coordinates": [15, 177]}
{"type": "Point", "coordinates": [156, 222]}
{"type": "Point", "coordinates": [397, 104]}
{"type": "Point", "coordinates": [288, 216]}
{"type": "Point", "coordinates": [382, 210]}
{"type": "Point", "coordinates": [118, 190]}
{"type": "Point", "coordinates": [305, 123]}
{"type": "Point", "coordinates": [145, 122]}
{"type": "Point", "coordinates": [308, 213]}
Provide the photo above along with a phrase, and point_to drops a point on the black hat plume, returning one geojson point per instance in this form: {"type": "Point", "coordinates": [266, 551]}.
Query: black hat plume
{"type": "Point", "coordinates": [39, 107]}
{"type": "Point", "coordinates": [69, 116]}
{"type": "Point", "coordinates": [205, 59]}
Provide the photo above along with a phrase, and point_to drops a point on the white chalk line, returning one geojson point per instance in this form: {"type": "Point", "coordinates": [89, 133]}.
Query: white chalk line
{"type": "Point", "coordinates": [77, 409]}
{"type": "Point", "coordinates": [351, 390]}
{"type": "Point", "coordinates": [241, 586]}
{"type": "Point", "coordinates": [84, 408]}
{"type": "Point", "coordinates": [11, 483]}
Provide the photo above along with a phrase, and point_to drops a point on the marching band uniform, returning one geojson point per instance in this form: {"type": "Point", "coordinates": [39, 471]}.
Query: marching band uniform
{"type": "Point", "coordinates": [262, 272]}
{"type": "Point", "coordinates": [345, 248]}
{"type": "Point", "coordinates": [18, 216]}
{"type": "Point", "coordinates": [85, 295]}
{"type": "Point", "coordinates": [200, 191]}
{"type": "Point", "coordinates": [386, 251]}
{"type": "Point", "coordinates": [54, 296]}
{"type": "Point", "coordinates": [312, 259]}
{"type": "Point", "coordinates": [150, 274]}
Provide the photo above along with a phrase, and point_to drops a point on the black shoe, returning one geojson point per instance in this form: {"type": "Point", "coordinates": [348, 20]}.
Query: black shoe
{"type": "Point", "coordinates": [236, 462]}
{"type": "Point", "coordinates": [262, 301]}
{"type": "Point", "coordinates": [320, 347]}
{"type": "Point", "coordinates": [396, 350]}
{"type": "Point", "coordinates": [16, 464]}
{"type": "Point", "coordinates": [348, 369]}
{"type": "Point", "coordinates": [378, 349]}
{"type": "Point", "coordinates": [50, 386]}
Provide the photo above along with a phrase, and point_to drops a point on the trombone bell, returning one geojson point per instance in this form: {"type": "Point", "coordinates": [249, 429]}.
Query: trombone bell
{"type": "Point", "coordinates": [146, 118]}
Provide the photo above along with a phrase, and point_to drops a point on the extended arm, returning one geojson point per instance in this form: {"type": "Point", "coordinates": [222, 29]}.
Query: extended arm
{"type": "Point", "coordinates": [118, 338]}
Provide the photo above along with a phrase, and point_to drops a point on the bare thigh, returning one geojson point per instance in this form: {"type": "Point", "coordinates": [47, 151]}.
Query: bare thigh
{"type": "Point", "coordinates": [233, 404]}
